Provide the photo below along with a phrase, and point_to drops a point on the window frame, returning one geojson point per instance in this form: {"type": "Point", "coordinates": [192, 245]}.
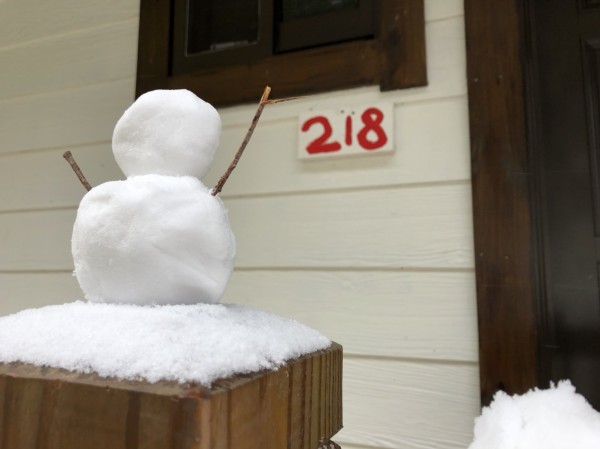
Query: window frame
{"type": "Point", "coordinates": [394, 59]}
{"type": "Point", "coordinates": [182, 63]}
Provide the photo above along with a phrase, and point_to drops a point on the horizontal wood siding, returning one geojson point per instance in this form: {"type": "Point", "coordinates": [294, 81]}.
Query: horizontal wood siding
{"type": "Point", "coordinates": [375, 252]}
{"type": "Point", "coordinates": [64, 118]}
{"type": "Point", "coordinates": [24, 22]}
{"type": "Point", "coordinates": [407, 314]}
{"type": "Point", "coordinates": [419, 405]}
{"type": "Point", "coordinates": [97, 55]}
{"type": "Point", "coordinates": [25, 290]}
{"type": "Point", "coordinates": [423, 227]}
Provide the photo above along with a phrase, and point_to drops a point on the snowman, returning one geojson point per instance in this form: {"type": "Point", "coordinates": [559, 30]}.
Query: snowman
{"type": "Point", "coordinates": [158, 237]}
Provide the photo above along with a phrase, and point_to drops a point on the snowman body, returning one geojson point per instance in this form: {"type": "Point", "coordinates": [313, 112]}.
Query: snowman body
{"type": "Point", "coordinates": [159, 237]}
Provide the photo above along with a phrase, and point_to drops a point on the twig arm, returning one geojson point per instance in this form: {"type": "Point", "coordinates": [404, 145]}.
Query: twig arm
{"type": "Point", "coordinates": [264, 100]}
{"type": "Point", "coordinates": [71, 160]}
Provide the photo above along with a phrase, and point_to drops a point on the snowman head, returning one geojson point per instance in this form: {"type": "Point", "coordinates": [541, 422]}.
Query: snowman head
{"type": "Point", "coordinates": [167, 132]}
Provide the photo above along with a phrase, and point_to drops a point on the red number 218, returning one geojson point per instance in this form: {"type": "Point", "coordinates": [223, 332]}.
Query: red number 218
{"type": "Point", "coordinates": [371, 119]}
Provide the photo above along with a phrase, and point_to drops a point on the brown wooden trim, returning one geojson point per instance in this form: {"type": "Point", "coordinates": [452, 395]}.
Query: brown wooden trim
{"type": "Point", "coordinates": [321, 69]}
{"type": "Point", "coordinates": [153, 48]}
{"type": "Point", "coordinates": [395, 59]}
{"type": "Point", "coordinates": [501, 177]}
{"type": "Point", "coordinates": [402, 40]}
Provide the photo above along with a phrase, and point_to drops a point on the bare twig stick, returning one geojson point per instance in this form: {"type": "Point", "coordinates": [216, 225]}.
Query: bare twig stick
{"type": "Point", "coordinates": [264, 100]}
{"type": "Point", "coordinates": [281, 100]}
{"type": "Point", "coordinates": [71, 160]}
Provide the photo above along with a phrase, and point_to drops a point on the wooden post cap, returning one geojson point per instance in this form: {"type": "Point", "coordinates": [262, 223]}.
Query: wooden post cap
{"type": "Point", "coordinates": [299, 406]}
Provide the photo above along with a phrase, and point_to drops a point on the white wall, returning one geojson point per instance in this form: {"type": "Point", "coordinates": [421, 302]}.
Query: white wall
{"type": "Point", "coordinates": [375, 252]}
{"type": "Point", "coordinates": [67, 71]}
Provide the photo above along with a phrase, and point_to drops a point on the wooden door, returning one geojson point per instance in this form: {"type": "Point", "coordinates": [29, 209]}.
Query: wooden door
{"type": "Point", "coordinates": [566, 156]}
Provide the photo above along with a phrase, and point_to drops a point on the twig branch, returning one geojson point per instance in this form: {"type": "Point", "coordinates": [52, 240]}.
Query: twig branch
{"type": "Point", "coordinates": [264, 100]}
{"type": "Point", "coordinates": [71, 160]}
{"type": "Point", "coordinates": [281, 100]}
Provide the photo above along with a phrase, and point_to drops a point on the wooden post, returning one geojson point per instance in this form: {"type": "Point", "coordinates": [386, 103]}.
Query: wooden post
{"type": "Point", "coordinates": [298, 406]}
{"type": "Point", "coordinates": [505, 255]}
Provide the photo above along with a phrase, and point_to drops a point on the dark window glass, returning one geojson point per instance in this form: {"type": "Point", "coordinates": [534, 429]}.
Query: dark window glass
{"type": "Point", "coordinates": [215, 25]}
{"type": "Point", "coordinates": [215, 33]}
{"type": "Point", "coordinates": [301, 9]}
{"type": "Point", "coordinates": [306, 24]}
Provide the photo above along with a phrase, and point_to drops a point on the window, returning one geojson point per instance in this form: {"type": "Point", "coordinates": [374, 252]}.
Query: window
{"type": "Point", "coordinates": [226, 51]}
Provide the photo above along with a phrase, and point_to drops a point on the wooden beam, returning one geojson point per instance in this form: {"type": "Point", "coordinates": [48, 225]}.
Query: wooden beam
{"type": "Point", "coordinates": [501, 180]}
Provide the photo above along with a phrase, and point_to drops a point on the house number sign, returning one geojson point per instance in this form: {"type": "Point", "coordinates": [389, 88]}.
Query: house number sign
{"type": "Point", "coordinates": [347, 131]}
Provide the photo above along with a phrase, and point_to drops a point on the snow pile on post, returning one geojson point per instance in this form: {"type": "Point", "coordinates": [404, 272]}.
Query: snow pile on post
{"type": "Point", "coordinates": [557, 418]}
{"type": "Point", "coordinates": [184, 343]}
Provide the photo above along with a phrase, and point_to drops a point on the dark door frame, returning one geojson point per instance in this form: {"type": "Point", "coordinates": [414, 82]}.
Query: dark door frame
{"type": "Point", "coordinates": [504, 202]}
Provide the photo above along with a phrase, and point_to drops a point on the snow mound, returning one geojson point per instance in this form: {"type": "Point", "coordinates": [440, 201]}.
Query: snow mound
{"type": "Point", "coordinates": [167, 132]}
{"type": "Point", "coordinates": [184, 343]}
{"type": "Point", "coordinates": [557, 418]}
{"type": "Point", "coordinates": [152, 240]}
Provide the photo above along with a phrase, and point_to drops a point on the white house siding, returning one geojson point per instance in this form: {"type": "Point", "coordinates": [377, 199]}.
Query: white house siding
{"type": "Point", "coordinates": [375, 252]}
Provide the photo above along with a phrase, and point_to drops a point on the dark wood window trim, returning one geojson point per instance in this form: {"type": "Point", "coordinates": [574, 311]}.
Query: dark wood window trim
{"type": "Point", "coordinates": [182, 63]}
{"type": "Point", "coordinates": [394, 59]}
{"type": "Point", "coordinates": [503, 182]}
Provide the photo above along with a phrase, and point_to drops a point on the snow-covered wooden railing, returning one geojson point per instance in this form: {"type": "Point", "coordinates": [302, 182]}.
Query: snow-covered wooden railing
{"type": "Point", "coordinates": [296, 407]}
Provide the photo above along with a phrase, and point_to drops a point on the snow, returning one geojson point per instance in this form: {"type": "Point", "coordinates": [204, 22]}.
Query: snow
{"type": "Point", "coordinates": [556, 418]}
{"type": "Point", "coordinates": [184, 343]}
{"type": "Point", "coordinates": [152, 240]}
{"type": "Point", "coordinates": [158, 237]}
{"type": "Point", "coordinates": [153, 254]}
{"type": "Point", "coordinates": [167, 132]}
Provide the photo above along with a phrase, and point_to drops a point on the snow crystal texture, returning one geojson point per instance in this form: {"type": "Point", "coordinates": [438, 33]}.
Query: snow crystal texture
{"type": "Point", "coordinates": [193, 343]}
{"type": "Point", "coordinates": [167, 132]}
{"type": "Point", "coordinates": [152, 240]}
{"type": "Point", "coordinates": [557, 418]}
